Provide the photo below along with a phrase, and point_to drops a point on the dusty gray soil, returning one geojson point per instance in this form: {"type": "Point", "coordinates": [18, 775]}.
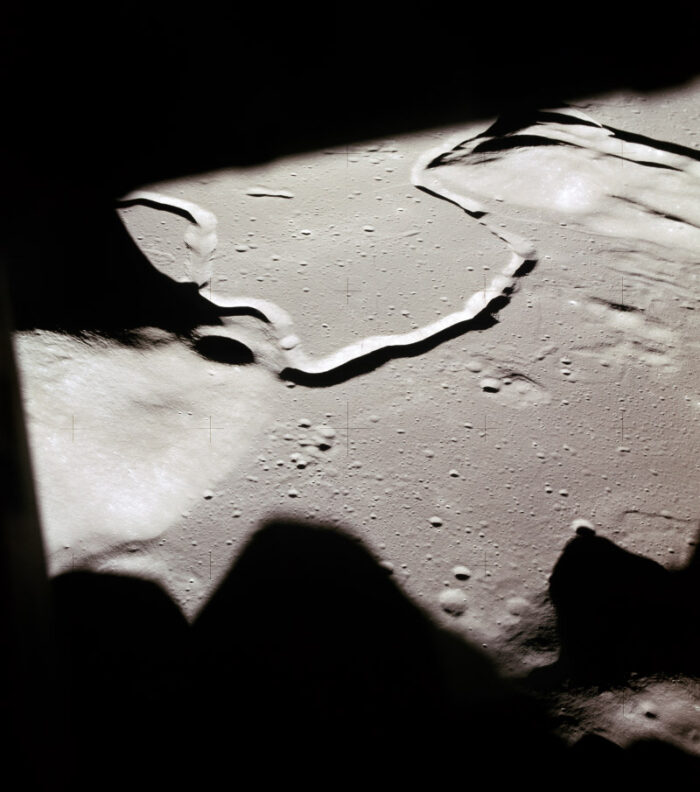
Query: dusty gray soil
{"type": "Point", "coordinates": [582, 401]}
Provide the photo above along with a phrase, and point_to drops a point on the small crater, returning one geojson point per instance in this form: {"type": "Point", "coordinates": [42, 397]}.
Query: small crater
{"type": "Point", "coordinates": [490, 385]}
{"type": "Point", "coordinates": [453, 601]}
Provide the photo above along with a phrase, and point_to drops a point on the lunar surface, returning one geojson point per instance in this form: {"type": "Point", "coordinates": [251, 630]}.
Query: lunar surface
{"type": "Point", "coordinates": [466, 347]}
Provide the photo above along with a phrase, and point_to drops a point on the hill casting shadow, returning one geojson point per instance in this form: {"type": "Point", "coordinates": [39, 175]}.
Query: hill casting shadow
{"type": "Point", "coordinates": [309, 665]}
{"type": "Point", "coordinates": [619, 613]}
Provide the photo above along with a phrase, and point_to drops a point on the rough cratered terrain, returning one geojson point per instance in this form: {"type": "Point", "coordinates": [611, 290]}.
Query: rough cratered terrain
{"type": "Point", "coordinates": [563, 246]}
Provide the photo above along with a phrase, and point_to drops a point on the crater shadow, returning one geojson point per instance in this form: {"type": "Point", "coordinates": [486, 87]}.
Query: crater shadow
{"type": "Point", "coordinates": [224, 350]}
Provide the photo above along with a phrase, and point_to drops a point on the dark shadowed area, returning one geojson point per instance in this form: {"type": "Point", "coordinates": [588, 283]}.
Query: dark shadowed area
{"type": "Point", "coordinates": [620, 613]}
{"type": "Point", "coordinates": [309, 665]}
{"type": "Point", "coordinates": [100, 107]}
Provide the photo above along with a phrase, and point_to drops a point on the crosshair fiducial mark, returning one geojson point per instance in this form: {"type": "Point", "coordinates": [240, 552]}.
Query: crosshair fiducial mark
{"type": "Point", "coordinates": [346, 153]}
{"type": "Point", "coordinates": [209, 427]}
{"type": "Point", "coordinates": [486, 427]}
{"type": "Point", "coordinates": [75, 428]}
{"type": "Point", "coordinates": [348, 427]}
{"type": "Point", "coordinates": [347, 291]}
